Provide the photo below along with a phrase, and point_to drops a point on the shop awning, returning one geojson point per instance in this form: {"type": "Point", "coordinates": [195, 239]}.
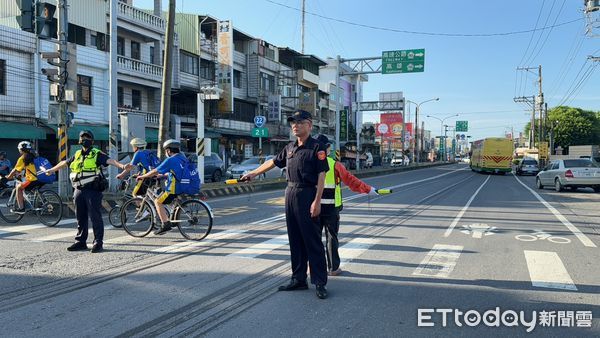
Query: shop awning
{"type": "Point", "coordinates": [23, 131]}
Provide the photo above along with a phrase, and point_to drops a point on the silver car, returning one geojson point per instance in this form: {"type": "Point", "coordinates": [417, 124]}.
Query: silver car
{"type": "Point", "coordinates": [238, 170]}
{"type": "Point", "coordinates": [571, 173]}
{"type": "Point", "coordinates": [528, 166]}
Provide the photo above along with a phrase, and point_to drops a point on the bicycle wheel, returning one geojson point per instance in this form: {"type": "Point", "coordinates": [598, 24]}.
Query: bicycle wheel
{"type": "Point", "coordinates": [48, 207]}
{"type": "Point", "coordinates": [114, 217]}
{"type": "Point", "coordinates": [7, 203]}
{"type": "Point", "coordinates": [137, 217]}
{"type": "Point", "coordinates": [193, 219]}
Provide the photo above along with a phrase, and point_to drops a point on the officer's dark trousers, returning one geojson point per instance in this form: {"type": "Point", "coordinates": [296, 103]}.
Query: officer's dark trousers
{"type": "Point", "coordinates": [87, 206]}
{"type": "Point", "coordinates": [331, 223]}
{"type": "Point", "coordinates": [304, 234]}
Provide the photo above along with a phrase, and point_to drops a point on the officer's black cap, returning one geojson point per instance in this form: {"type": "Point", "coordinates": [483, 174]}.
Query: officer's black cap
{"type": "Point", "coordinates": [300, 115]}
{"type": "Point", "coordinates": [323, 139]}
{"type": "Point", "coordinates": [86, 132]}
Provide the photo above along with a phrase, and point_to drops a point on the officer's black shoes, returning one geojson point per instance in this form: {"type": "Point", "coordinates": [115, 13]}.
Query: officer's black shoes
{"type": "Point", "coordinates": [321, 291]}
{"type": "Point", "coordinates": [163, 229]}
{"type": "Point", "coordinates": [97, 248]}
{"type": "Point", "coordinates": [294, 285]}
{"type": "Point", "coordinates": [77, 246]}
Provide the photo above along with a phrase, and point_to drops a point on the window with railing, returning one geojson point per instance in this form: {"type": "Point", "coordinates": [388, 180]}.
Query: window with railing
{"type": "Point", "coordinates": [207, 70]}
{"type": "Point", "coordinates": [188, 63]}
{"type": "Point", "coordinates": [136, 99]}
{"type": "Point", "coordinates": [120, 46]}
{"type": "Point", "coordinates": [84, 90]}
{"type": "Point", "coordinates": [2, 77]}
{"type": "Point", "coordinates": [135, 50]}
{"type": "Point", "coordinates": [267, 82]}
{"type": "Point", "coordinates": [237, 78]}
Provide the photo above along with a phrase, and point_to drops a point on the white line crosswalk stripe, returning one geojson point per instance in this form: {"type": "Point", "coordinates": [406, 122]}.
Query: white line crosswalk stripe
{"type": "Point", "coordinates": [440, 261]}
{"type": "Point", "coordinates": [546, 270]}
{"type": "Point", "coordinates": [262, 248]}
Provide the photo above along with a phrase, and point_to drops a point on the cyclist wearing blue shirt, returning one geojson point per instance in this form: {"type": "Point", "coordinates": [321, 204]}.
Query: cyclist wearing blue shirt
{"type": "Point", "coordinates": [172, 165]}
{"type": "Point", "coordinates": [141, 160]}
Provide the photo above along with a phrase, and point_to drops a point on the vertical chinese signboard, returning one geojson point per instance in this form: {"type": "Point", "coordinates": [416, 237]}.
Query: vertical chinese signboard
{"type": "Point", "coordinates": [225, 65]}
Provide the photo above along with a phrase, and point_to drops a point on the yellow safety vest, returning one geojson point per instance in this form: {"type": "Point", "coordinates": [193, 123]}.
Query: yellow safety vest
{"type": "Point", "coordinates": [84, 169]}
{"type": "Point", "coordinates": [332, 193]}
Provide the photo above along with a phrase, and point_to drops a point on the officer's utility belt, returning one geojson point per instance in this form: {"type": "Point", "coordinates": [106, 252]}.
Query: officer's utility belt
{"type": "Point", "coordinates": [300, 185]}
{"type": "Point", "coordinates": [83, 179]}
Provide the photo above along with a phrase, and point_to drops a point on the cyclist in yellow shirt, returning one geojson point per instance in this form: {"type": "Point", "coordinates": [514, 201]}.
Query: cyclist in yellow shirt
{"type": "Point", "coordinates": [25, 163]}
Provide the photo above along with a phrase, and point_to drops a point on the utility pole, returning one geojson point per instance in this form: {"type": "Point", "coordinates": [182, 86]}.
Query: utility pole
{"type": "Point", "coordinates": [540, 103]}
{"type": "Point", "coordinates": [302, 29]}
{"type": "Point", "coordinates": [63, 24]}
{"type": "Point", "coordinates": [165, 103]}
{"type": "Point", "coordinates": [416, 156]}
{"type": "Point", "coordinates": [113, 122]}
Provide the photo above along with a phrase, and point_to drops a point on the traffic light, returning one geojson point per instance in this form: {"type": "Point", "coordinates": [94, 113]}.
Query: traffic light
{"type": "Point", "coordinates": [25, 20]}
{"type": "Point", "coordinates": [45, 23]}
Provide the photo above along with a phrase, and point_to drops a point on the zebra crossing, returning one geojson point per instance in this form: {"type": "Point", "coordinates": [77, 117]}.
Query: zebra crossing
{"type": "Point", "coordinates": [546, 269]}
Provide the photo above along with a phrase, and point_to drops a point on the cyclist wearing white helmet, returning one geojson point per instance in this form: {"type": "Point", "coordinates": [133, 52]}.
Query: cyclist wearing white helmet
{"type": "Point", "coordinates": [24, 163]}
{"type": "Point", "coordinates": [173, 163]}
{"type": "Point", "coordinates": [144, 160]}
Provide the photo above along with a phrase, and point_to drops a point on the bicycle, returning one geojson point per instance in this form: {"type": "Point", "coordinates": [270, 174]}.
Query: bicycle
{"type": "Point", "coordinates": [193, 217]}
{"type": "Point", "coordinates": [45, 203]}
{"type": "Point", "coordinates": [114, 215]}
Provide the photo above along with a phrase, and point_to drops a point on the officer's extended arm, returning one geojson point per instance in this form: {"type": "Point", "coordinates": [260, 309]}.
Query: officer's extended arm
{"type": "Point", "coordinates": [149, 174]}
{"type": "Point", "coordinates": [268, 165]}
{"type": "Point", "coordinates": [56, 168]}
{"type": "Point", "coordinates": [116, 163]}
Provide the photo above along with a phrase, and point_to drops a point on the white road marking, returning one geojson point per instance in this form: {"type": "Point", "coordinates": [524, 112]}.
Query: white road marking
{"type": "Point", "coordinates": [585, 240]}
{"type": "Point", "coordinates": [546, 270]}
{"type": "Point", "coordinates": [262, 248]}
{"type": "Point", "coordinates": [21, 228]}
{"type": "Point", "coordinates": [464, 209]}
{"type": "Point", "coordinates": [355, 248]}
{"type": "Point", "coordinates": [440, 261]}
{"type": "Point", "coordinates": [478, 230]}
{"type": "Point", "coordinates": [184, 246]}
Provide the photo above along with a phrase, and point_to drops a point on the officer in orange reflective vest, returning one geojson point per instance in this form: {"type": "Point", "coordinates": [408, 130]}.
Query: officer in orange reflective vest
{"type": "Point", "coordinates": [331, 204]}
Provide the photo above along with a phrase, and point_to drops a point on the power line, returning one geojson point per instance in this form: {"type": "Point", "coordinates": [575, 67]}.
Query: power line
{"type": "Point", "coordinates": [426, 33]}
{"type": "Point", "coordinates": [549, 32]}
{"type": "Point", "coordinates": [532, 35]}
{"type": "Point", "coordinates": [541, 34]}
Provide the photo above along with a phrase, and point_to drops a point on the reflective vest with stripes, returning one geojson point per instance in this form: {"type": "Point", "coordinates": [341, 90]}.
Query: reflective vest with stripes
{"type": "Point", "coordinates": [84, 169]}
{"type": "Point", "coordinates": [332, 194]}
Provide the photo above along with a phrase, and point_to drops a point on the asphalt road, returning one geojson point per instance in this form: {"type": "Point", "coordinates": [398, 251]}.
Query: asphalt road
{"type": "Point", "coordinates": [446, 240]}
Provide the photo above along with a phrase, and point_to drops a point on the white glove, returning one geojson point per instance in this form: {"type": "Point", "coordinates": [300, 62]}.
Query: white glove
{"type": "Point", "coordinates": [373, 192]}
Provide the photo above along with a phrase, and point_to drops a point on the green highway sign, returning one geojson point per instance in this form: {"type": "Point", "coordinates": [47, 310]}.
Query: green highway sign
{"type": "Point", "coordinates": [403, 61]}
{"type": "Point", "coordinates": [462, 126]}
{"type": "Point", "coordinates": [260, 132]}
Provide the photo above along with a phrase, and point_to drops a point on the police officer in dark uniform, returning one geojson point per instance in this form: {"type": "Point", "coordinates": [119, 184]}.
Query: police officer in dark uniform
{"type": "Point", "coordinates": [89, 182]}
{"type": "Point", "coordinates": [306, 163]}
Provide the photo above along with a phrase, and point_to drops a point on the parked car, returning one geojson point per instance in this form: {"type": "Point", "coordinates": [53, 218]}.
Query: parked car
{"type": "Point", "coordinates": [527, 166]}
{"type": "Point", "coordinates": [571, 173]}
{"type": "Point", "coordinates": [214, 167]}
{"type": "Point", "coordinates": [238, 170]}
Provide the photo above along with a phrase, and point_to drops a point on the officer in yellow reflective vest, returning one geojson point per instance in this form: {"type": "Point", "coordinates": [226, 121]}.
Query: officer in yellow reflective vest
{"type": "Point", "coordinates": [331, 204]}
{"type": "Point", "coordinates": [89, 182]}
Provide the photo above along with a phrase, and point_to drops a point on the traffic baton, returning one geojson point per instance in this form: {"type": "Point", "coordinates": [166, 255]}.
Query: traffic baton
{"type": "Point", "coordinates": [234, 181]}
{"type": "Point", "coordinates": [384, 191]}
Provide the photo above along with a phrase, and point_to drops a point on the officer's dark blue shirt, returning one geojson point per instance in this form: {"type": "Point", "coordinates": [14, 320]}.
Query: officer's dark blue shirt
{"type": "Point", "coordinates": [304, 163]}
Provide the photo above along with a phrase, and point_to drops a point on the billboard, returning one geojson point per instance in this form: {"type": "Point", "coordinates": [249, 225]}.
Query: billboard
{"type": "Point", "coordinates": [390, 125]}
{"type": "Point", "coordinates": [274, 110]}
{"type": "Point", "coordinates": [225, 65]}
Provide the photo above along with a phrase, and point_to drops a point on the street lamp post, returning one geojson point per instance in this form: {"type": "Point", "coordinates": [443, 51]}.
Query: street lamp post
{"type": "Point", "coordinates": [416, 152]}
{"type": "Point", "coordinates": [441, 131]}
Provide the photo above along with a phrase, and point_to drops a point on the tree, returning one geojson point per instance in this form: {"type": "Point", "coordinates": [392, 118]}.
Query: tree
{"type": "Point", "coordinates": [572, 126]}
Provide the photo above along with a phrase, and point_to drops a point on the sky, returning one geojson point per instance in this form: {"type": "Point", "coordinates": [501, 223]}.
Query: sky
{"type": "Point", "coordinates": [472, 50]}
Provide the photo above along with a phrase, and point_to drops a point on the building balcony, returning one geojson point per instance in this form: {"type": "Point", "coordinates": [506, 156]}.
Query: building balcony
{"type": "Point", "coordinates": [141, 18]}
{"type": "Point", "coordinates": [239, 58]}
{"type": "Point", "coordinates": [152, 118]}
{"type": "Point", "coordinates": [307, 78]}
{"type": "Point", "coordinates": [139, 69]}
